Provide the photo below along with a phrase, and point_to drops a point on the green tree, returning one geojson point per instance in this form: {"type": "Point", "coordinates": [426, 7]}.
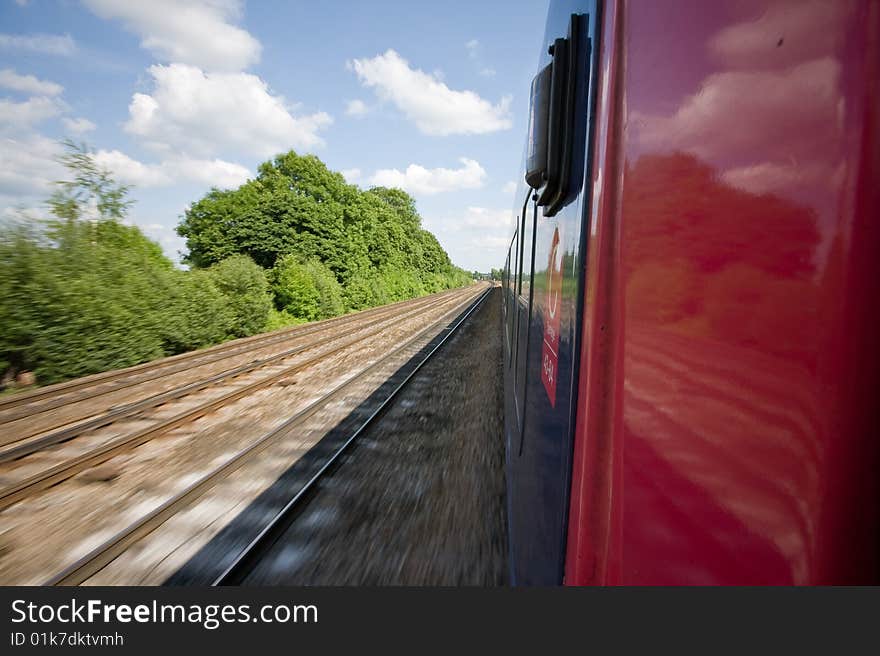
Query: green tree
{"type": "Point", "coordinates": [199, 313]}
{"type": "Point", "coordinates": [371, 242]}
{"type": "Point", "coordinates": [83, 292]}
{"type": "Point", "coordinates": [306, 289]}
{"type": "Point", "coordinates": [244, 284]}
{"type": "Point", "coordinates": [295, 290]}
{"type": "Point", "coordinates": [73, 302]}
{"type": "Point", "coordinates": [294, 205]}
{"type": "Point", "coordinates": [22, 278]}
{"type": "Point", "coordinates": [91, 188]}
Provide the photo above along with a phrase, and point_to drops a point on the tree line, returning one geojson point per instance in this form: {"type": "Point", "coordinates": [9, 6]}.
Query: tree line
{"type": "Point", "coordinates": [86, 291]}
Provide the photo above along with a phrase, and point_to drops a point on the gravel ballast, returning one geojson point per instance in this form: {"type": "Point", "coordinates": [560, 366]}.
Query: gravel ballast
{"type": "Point", "coordinates": [419, 499]}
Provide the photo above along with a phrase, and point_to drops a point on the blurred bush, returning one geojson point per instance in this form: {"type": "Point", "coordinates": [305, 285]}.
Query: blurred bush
{"type": "Point", "coordinates": [306, 289]}
{"type": "Point", "coordinates": [84, 292]}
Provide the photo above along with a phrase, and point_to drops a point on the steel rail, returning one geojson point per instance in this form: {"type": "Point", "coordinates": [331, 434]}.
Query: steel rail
{"type": "Point", "coordinates": [179, 362]}
{"type": "Point", "coordinates": [131, 409]}
{"type": "Point", "coordinates": [244, 562]}
{"type": "Point", "coordinates": [101, 556]}
{"type": "Point", "coordinates": [69, 468]}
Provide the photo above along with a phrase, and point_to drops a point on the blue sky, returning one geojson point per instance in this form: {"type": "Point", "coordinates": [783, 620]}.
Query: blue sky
{"type": "Point", "coordinates": [176, 96]}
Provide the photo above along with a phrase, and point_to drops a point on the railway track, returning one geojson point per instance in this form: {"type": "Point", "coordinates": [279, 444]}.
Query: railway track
{"type": "Point", "coordinates": [416, 350]}
{"type": "Point", "coordinates": [16, 446]}
{"type": "Point", "coordinates": [236, 572]}
{"type": "Point", "coordinates": [53, 474]}
{"type": "Point", "coordinates": [45, 399]}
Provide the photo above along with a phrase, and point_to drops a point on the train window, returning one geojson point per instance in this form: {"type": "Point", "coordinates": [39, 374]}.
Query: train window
{"type": "Point", "coordinates": [524, 344]}
{"type": "Point", "coordinates": [528, 233]}
{"type": "Point", "coordinates": [512, 311]}
{"type": "Point", "coordinates": [522, 242]}
{"type": "Point", "coordinates": [523, 327]}
{"type": "Point", "coordinates": [505, 281]}
{"type": "Point", "coordinates": [518, 281]}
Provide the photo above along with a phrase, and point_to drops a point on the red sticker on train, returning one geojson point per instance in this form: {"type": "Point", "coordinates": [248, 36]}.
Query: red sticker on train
{"type": "Point", "coordinates": [552, 312]}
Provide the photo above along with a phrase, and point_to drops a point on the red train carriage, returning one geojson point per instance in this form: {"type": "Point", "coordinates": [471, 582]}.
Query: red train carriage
{"type": "Point", "coordinates": [691, 297]}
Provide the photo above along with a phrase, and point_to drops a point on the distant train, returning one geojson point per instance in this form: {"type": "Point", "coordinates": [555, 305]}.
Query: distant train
{"type": "Point", "coordinates": [692, 297]}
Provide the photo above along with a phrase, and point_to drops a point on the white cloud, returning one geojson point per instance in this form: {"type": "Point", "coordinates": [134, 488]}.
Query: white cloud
{"type": "Point", "coordinates": [18, 211]}
{"type": "Point", "coordinates": [779, 106]}
{"type": "Point", "coordinates": [475, 238]}
{"type": "Point", "coordinates": [485, 218]}
{"type": "Point", "coordinates": [48, 44]}
{"type": "Point", "coordinates": [352, 176]}
{"type": "Point", "coordinates": [130, 171]}
{"type": "Point", "coordinates": [165, 235]}
{"type": "Point", "coordinates": [78, 125]}
{"type": "Point", "coordinates": [28, 166]}
{"type": "Point", "coordinates": [429, 103]}
{"type": "Point", "coordinates": [215, 173]}
{"type": "Point", "coordinates": [28, 84]}
{"type": "Point", "coordinates": [787, 33]}
{"type": "Point", "coordinates": [356, 108]}
{"type": "Point", "coordinates": [487, 246]}
{"type": "Point", "coordinates": [197, 32]}
{"type": "Point", "coordinates": [473, 50]}
{"type": "Point", "coordinates": [29, 112]}
{"type": "Point", "coordinates": [780, 76]}
{"type": "Point", "coordinates": [776, 177]}
{"type": "Point", "coordinates": [201, 113]}
{"type": "Point", "coordinates": [509, 187]}
{"type": "Point", "coordinates": [419, 180]}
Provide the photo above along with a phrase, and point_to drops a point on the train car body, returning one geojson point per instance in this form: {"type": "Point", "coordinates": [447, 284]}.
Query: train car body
{"type": "Point", "coordinates": [691, 297]}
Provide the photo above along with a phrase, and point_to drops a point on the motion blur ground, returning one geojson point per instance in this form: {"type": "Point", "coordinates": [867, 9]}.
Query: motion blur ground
{"type": "Point", "coordinates": [419, 500]}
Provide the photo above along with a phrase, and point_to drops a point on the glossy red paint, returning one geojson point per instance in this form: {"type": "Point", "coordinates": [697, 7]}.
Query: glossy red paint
{"type": "Point", "coordinates": [727, 426]}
